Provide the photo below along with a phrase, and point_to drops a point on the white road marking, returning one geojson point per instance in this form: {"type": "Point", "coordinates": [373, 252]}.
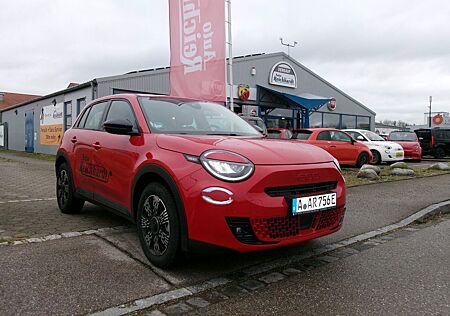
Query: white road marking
{"type": "Point", "coordinates": [27, 200]}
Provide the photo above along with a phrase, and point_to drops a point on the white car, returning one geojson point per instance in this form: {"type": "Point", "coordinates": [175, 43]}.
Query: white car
{"type": "Point", "coordinates": [382, 150]}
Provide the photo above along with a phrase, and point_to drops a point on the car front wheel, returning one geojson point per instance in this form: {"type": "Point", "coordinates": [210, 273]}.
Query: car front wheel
{"type": "Point", "coordinates": [67, 201]}
{"type": "Point", "coordinates": [376, 157]}
{"type": "Point", "coordinates": [363, 159]}
{"type": "Point", "coordinates": [158, 225]}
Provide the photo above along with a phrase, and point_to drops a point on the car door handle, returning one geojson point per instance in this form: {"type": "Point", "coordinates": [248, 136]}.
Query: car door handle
{"type": "Point", "coordinates": [74, 139]}
{"type": "Point", "coordinates": [96, 145]}
{"type": "Point", "coordinates": [332, 146]}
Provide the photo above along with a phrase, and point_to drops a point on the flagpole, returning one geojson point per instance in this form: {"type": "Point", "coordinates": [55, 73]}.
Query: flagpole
{"type": "Point", "coordinates": [230, 58]}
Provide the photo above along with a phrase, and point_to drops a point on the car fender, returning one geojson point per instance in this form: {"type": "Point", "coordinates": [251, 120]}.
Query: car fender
{"type": "Point", "coordinates": [172, 186]}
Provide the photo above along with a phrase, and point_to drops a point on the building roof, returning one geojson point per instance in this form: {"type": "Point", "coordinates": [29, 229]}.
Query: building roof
{"type": "Point", "coordinates": [8, 99]}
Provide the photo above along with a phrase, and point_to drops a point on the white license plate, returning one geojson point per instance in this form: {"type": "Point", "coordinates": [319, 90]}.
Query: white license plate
{"type": "Point", "coordinates": [313, 203]}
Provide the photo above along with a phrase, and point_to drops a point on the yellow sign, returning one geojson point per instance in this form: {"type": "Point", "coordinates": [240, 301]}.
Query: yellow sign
{"type": "Point", "coordinates": [51, 134]}
{"type": "Point", "coordinates": [51, 124]}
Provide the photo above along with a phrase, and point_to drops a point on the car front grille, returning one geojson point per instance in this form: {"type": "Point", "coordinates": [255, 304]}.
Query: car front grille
{"type": "Point", "coordinates": [294, 190]}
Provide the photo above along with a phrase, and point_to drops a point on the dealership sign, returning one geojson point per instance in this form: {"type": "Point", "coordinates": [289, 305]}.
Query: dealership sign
{"type": "Point", "coordinates": [51, 124]}
{"type": "Point", "coordinates": [197, 49]}
{"type": "Point", "coordinates": [283, 74]}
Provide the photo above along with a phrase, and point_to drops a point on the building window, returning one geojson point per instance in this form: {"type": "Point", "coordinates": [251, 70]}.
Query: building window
{"type": "Point", "coordinates": [81, 103]}
{"type": "Point", "coordinates": [348, 121]}
{"type": "Point", "coordinates": [363, 122]}
{"type": "Point", "coordinates": [315, 120]}
{"type": "Point", "coordinates": [68, 114]}
{"type": "Point", "coordinates": [331, 120]}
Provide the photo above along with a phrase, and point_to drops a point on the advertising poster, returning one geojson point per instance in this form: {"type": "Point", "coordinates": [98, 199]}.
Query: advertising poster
{"type": "Point", "coordinates": [197, 49]}
{"type": "Point", "coordinates": [51, 124]}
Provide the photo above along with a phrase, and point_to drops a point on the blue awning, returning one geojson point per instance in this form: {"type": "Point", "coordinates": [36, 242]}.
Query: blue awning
{"type": "Point", "coordinates": [303, 100]}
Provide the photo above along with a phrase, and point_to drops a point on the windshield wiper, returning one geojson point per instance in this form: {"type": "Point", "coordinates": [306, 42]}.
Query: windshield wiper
{"type": "Point", "coordinates": [224, 134]}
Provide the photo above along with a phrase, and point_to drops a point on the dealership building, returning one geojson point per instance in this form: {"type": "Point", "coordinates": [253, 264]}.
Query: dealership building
{"type": "Point", "coordinates": [273, 86]}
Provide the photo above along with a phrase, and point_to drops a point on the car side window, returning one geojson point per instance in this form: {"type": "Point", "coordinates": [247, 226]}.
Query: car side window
{"type": "Point", "coordinates": [83, 118]}
{"type": "Point", "coordinates": [323, 136]}
{"type": "Point", "coordinates": [340, 137]}
{"type": "Point", "coordinates": [95, 116]}
{"type": "Point", "coordinates": [121, 110]}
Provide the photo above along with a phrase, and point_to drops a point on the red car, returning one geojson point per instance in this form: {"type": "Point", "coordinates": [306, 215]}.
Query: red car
{"type": "Point", "coordinates": [192, 174]}
{"type": "Point", "coordinates": [409, 142]}
{"type": "Point", "coordinates": [338, 143]}
{"type": "Point", "coordinates": [279, 133]}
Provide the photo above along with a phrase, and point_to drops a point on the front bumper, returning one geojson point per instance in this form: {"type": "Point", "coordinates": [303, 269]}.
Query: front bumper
{"type": "Point", "coordinates": [392, 155]}
{"type": "Point", "coordinates": [258, 218]}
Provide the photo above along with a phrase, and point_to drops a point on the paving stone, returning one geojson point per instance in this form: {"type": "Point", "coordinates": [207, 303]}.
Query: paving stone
{"type": "Point", "coordinates": [233, 291]}
{"type": "Point", "coordinates": [328, 259]}
{"type": "Point", "coordinates": [272, 277]}
{"type": "Point", "coordinates": [177, 309]}
{"type": "Point", "coordinates": [214, 297]}
{"type": "Point", "coordinates": [198, 302]}
{"type": "Point", "coordinates": [362, 247]}
{"type": "Point", "coordinates": [314, 263]}
{"type": "Point", "coordinates": [252, 285]}
{"type": "Point", "coordinates": [291, 271]}
{"type": "Point", "coordinates": [154, 313]}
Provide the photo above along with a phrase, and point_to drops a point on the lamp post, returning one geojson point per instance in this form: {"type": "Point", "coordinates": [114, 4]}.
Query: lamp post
{"type": "Point", "coordinates": [288, 45]}
{"type": "Point", "coordinates": [429, 112]}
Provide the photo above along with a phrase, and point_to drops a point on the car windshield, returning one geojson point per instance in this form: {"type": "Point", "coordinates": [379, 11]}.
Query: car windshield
{"type": "Point", "coordinates": [372, 136]}
{"type": "Point", "coordinates": [403, 136]}
{"type": "Point", "coordinates": [172, 116]}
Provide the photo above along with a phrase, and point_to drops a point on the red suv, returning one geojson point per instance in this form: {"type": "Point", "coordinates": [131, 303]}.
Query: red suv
{"type": "Point", "coordinates": [192, 174]}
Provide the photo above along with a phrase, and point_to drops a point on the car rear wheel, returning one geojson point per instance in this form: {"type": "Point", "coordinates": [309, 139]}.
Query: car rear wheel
{"type": "Point", "coordinates": [158, 225]}
{"type": "Point", "coordinates": [363, 159]}
{"type": "Point", "coordinates": [376, 157]}
{"type": "Point", "coordinates": [439, 152]}
{"type": "Point", "coordinates": [67, 201]}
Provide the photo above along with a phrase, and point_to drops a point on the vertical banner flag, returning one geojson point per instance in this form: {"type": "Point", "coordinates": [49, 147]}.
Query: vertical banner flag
{"type": "Point", "coordinates": [197, 49]}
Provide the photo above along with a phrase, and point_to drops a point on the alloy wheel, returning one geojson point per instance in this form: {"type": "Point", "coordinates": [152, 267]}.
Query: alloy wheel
{"type": "Point", "coordinates": [155, 225]}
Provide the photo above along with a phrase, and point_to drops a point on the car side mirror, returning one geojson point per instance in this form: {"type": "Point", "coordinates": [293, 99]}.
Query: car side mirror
{"type": "Point", "coordinates": [420, 138]}
{"type": "Point", "coordinates": [120, 127]}
{"type": "Point", "coordinates": [360, 138]}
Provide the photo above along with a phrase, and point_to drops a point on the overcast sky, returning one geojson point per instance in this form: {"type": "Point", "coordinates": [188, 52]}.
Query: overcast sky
{"type": "Point", "coordinates": [390, 55]}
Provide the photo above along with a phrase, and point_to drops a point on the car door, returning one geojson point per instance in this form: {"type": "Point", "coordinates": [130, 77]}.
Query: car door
{"type": "Point", "coordinates": [81, 136]}
{"type": "Point", "coordinates": [322, 140]}
{"type": "Point", "coordinates": [342, 147]}
{"type": "Point", "coordinates": [117, 155]}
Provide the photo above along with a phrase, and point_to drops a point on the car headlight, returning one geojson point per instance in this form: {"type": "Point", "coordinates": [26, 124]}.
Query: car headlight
{"type": "Point", "coordinates": [336, 162]}
{"type": "Point", "coordinates": [227, 165]}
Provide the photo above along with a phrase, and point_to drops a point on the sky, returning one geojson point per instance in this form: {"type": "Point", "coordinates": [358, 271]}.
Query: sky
{"type": "Point", "coordinates": [389, 55]}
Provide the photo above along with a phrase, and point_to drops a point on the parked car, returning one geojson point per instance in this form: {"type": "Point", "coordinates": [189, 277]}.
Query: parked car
{"type": "Point", "coordinates": [279, 133]}
{"type": "Point", "coordinates": [338, 143]}
{"type": "Point", "coordinates": [194, 175]}
{"type": "Point", "coordinates": [256, 122]}
{"type": "Point", "coordinates": [434, 141]}
{"type": "Point", "coordinates": [382, 150]}
{"type": "Point", "coordinates": [409, 142]}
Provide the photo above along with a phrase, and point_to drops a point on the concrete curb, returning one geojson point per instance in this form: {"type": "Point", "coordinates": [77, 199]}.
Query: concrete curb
{"type": "Point", "coordinates": [184, 292]}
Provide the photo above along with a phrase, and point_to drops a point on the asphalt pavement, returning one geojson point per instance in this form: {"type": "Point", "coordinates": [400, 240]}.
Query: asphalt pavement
{"type": "Point", "coordinates": [404, 276]}
{"type": "Point", "coordinates": [78, 275]}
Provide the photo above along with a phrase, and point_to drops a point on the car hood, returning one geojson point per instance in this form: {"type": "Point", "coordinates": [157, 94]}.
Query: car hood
{"type": "Point", "coordinates": [261, 151]}
{"type": "Point", "coordinates": [387, 143]}
{"type": "Point", "coordinates": [407, 145]}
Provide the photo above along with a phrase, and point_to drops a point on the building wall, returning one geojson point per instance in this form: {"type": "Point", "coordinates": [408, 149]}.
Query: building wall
{"type": "Point", "coordinates": [16, 122]}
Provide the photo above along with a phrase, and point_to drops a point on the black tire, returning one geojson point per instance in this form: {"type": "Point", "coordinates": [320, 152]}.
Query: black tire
{"type": "Point", "coordinates": [363, 159]}
{"type": "Point", "coordinates": [376, 157]}
{"type": "Point", "coordinates": [439, 152]}
{"type": "Point", "coordinates": [158, 226]}
{"type": "Point", "coordinates": [68, 203]}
